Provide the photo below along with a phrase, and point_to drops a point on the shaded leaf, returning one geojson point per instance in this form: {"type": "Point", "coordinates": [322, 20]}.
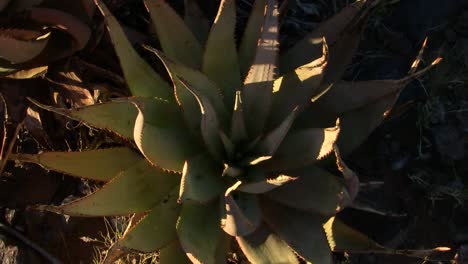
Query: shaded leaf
{"type": "Point", "coordinates": [238, 129]}
{"type": "Point", "coordinates": [302, 147]}
{"type": "Point", "coordinates": [196, 20]}
{"type": "Point", "coordinates": [63, 21]}
{"type": "Point", "coordinates": [161, 136]}
{"type": "Point", "coordinates": [201, 181]}
{"type": "Point", "coordinates": [251, 35]}
{"type": "Point", "coordinates": [270, 143]}
{"type": "Point", "coordinates": [101, 165]}
{"type": "Point", "coordinates": [118, 116]}
{"type": "Point", "coordinates": [223, 70]}
{"type": "Point", "coordinates": [301, 230]}
{"type": "Point", "coordinates": [184, 97]}
{"type": "Point", "coordinates": [155, 230]}
{"type": "Point", "coordinates": [72, 88]}
{"type": "Point", "coordinates": [310, 47]}
{"type": "Point", "coordinates": [19, 50]}
{"type": "Point", "coordinates": [264, 247]}
{"type": "Point", "coordinates": [173, 254]}
{"type": "Point", "coordinates": [136, 189]}
{"type": "Point", "coordinates": [141, 78]}
{"type": "Point", "coordinates": [258, 85]}
{"type": "Point", "coordinates": [199, 231]}
{"type": "Point", "coordinates": [315, 190]}
{"type": "Point", "coordinates": [241, 213]}
{"type": "Point", "coordinates": [176, 39]}
{"type": "Point", "coordinates": [209, 125]}
{"type": "Point", "coordinates": [341, 237]}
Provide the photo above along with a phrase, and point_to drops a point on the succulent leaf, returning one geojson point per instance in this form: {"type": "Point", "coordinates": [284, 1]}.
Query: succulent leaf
{"type": "Point", "coordinates": [25, 73]}
{"type": "Point", "coordinates": [266, 184]}
{"type": "Point", "coordinates": [17, 50]}
{"type": "Point", "coordinates": [201, 181]}
{"type": "Point", "coordinates": [249, 43]}
{"type": "Point", "coordinates": [177, 40]}
{"type": "Point", "coordinates": [184, 97]}
{"type": "Point", "coordinates": [310, 47]}
{"type": "Point", "coordinates": [238, 129]}
{"type": "Point", "coordinates": [199, 231]}
{"type": "Point", "coordinates": [263, 247]}
{"type": "Point", "coordinates": [101, 165]}
{"type": "Point", "coordinates": [342, 237]}
{"type": "Point", "coordinates": [159, 134]}
{"type": "Point", "coordinates": [223, 70]}
{"type": "Point", "coordinates": [209, 125]}
{"type": "Point", "coordinates": [316, 190]}
{"type": "Point", "coordinates": [258, 85]}
{"type": "Point", "coordinates": [137, 189]}
{"type": "Point", "coordinates": [156, 229]}
{"type": "Point", "coordinates": [241, 213]}
{"type": "Point", "coordinates": [297, 88]}
{"type": "Point", "coordinates": [141, 78]}
{"type": "Point", "coordinates": [196, 20]}
{"type": "Point", "coordinates": [118, 117]}
{"type": "Point", "coordinates": [270, 143]}
{"type": "Point", "coordinates": [301, 230]}
{"type": "Point", "coordinates": [302, 147]}
{"type": "Point", "coordinates": [173, 254]}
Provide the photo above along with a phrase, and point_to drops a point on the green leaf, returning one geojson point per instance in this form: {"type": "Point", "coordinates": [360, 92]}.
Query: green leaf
{"type": "Point", "coordinates": [118, 116]}
{"type": "Point", "coordinates": [238, 129]}
{"type": "Point", "coordinates": [297, 88]}
{"type": "Point", "coordinates": [209, 125]}
{"type": "Point", "coordinates": [341, 237]}
{"type": "Point", "coordinates": [200, 82]}
{"type": "Point", "coordinates": [201, 180]}
{"type": "Point", "coordinates": [136, 189]}
{"type": "Point", "coordinates": [19, 46]}
{"type": "Point", "coordinates": [199, 231]}
{"type": "Point", "coordinates": [196, 20]}
{"type": "Point", "coordinates": [266, 184]}
{"type": "Point", "coordinates": [302, 147]}
{"type": "Point", "coordinates": [315, 190]}
{"type": "Point", "coordinates": [264, 247]}
{"type": "Point", "coordinates": [251, 35]}
{"type": "Point", "coordinates": [141, 78]}
{"type": "Point", "coordinates": [173, 254]}
{"type": "Point", "coordinates": [270, 143]}
{"type": "Point", "coordinates": [101, 165]}
{"type": "Point", "coordinates": [220, 62]}
{"type": "Point", "coordinates": [258, 86]}
{"type": "Point", "coordinates": [241, 213]}
{"type": "Point", "coordinates": [310, 47]}
{"type": "Point", "coordinates": [176, 39]}
{"type": "Point", "coordinates": [302, 231]}
{"type": "Point", "coordinates": [160, 135]}
{"type": "Point", "coordinates": [156, 229]}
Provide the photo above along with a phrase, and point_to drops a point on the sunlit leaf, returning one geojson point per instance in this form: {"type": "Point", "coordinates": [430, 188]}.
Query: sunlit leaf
{"type": "Point", "coordinates": [100, 165]}
{"type": "Point", "coordinates": [137, 189]}
{"type": "Point", "coordinates": [156, 229]}
{"type": "Point", "coordinates": [341, 237]}
{"type": "Point", "coordinates": [199, 231]}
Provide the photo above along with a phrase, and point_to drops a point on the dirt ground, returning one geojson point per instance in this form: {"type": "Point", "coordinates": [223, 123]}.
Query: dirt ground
{"type": "Point", "coordinates": [417, 160]}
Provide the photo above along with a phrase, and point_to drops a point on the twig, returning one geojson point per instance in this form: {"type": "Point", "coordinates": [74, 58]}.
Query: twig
{"type": "Point", "coordinates": [12, 232]}
{"type": "Point", "coordinates": [5, 107]}
{"type": "Point", "coordinates": [10, 148]}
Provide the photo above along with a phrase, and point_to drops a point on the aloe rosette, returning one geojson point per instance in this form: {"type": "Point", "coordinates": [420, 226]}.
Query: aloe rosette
{"type": "Point", "coordinates": [243, 144]}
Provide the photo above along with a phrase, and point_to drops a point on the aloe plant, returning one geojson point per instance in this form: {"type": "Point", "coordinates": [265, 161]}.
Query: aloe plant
{"type": "Point", "coordinates": [238, 146]}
